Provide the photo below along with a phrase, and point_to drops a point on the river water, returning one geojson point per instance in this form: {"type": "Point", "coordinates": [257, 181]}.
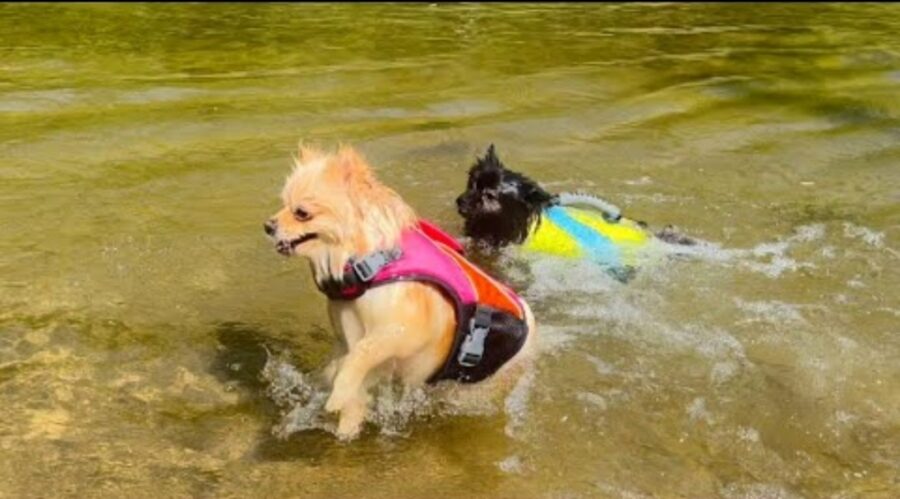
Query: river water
{"type": "Point", "coordinates": [153, 344]}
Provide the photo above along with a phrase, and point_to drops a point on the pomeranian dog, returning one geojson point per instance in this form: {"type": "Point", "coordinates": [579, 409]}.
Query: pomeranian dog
{"type": "Point", "coordinates": [502, 207]}
{"type": "Point", "coordinates": [401, 295]}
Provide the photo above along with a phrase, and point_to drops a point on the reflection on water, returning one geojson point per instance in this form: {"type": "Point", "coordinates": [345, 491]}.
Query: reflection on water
{"type": "Point", "coordinates": [152, 342]}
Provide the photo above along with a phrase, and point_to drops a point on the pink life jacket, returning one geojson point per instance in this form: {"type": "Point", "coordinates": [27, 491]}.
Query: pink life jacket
{"type": "Point", "coordinates": [490, 318]}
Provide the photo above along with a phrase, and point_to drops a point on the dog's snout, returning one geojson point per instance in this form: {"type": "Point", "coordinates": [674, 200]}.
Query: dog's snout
{"type": "Point", "coordinates": [461, 204]}
{"type": "Point", "coordinates": [269, 226]}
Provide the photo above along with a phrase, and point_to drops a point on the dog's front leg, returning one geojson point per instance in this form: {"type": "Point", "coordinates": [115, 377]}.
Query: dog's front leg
{"type": "Point", "coordinates": [331, 370]}
{"type": "Point", "coordinates": [352, 417]}
{"type": "Point", "coordinates": [347, 394]}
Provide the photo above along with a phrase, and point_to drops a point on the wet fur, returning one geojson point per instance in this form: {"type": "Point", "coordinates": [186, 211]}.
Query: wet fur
{"type": "Point", "coordinates": [334, 208]}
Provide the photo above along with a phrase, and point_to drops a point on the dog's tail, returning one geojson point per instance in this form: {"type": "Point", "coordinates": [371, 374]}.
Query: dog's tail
{"type": "Point", "coordinates": [613, 214]}
{"type": "Point", "coordinates": [611, 211]}
{"type": "Point", "coordinates": [671, 236]}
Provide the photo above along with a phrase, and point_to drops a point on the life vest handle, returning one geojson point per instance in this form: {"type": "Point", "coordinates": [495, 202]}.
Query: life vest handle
{"type": "Point", "coordinates": [435, 233]}
{"type": "Point", "coordinates": [610, 211]}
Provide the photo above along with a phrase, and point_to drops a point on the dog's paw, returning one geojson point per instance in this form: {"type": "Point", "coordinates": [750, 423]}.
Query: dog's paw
{"type": "Point", "coordinates": [343, 392]}
{"type": "Point", "coordinates": [670, 235]}
{"type": "Point", "coordinates": [348, 429]}
{"type": "Point", "coordinates": [352, 417]}
{"type": "Point", "coordinates": [336, 401]}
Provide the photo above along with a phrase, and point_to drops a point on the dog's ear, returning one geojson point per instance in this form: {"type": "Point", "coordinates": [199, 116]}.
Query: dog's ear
{"type": "Point", "coordinates": [490, 158]}
{"type": "Point", "coordinates": [491, 153]}
{"type": "Point", "coordinates": [535, 195]}
{"type": "Point", "coordinates": [353, 165]}
{"type": "Point", "coordinates": [307, 152]}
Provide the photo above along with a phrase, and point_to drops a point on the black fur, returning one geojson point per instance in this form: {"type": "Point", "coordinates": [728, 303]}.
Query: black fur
{"type": "Point", "coordinates": [499, 205]}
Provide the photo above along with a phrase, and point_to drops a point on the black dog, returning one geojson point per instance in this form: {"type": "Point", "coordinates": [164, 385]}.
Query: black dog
{"type": "Point", "coordinates": [503, 207]}
{"type": "Point", "coordinates": [500, 206]}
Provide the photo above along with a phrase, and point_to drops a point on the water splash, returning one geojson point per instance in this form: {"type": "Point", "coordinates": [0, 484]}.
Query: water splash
{"type": "Point", "coordinates": [517, 405]}
{"type": "Point", "coordinates": [511, 465]}
{"type": "Point", "coordinates": [770, 258]}
{"type": "Point", "coordinates": [393, 407]}
{"type": "Point", "coordinates": [301, 399]}
{"type": "Point", "coordinates": [771, 311]}
{"type": "Point", "coordinates": [871, 237]}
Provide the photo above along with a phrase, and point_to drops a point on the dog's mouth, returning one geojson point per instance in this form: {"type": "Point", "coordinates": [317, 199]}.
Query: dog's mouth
{"type": "Point", "coordinates": [467, 210]}
{"type": "Point", "coordinates": [286, 248]}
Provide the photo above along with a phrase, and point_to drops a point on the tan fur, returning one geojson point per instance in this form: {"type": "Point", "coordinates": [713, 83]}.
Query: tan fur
{"type": "Point", "coordinates": [407, 325]}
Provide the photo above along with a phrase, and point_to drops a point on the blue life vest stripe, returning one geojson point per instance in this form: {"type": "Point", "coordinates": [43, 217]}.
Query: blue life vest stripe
{"type": "Point", "coordinates": [589, 239]}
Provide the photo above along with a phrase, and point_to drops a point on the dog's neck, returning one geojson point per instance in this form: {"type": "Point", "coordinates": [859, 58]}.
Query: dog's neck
{"type": "Point", "coordinates": [511, 228]}
{"type": "Point", "coordinates": [377, 221]}
{"type": "Point", "coordinates": [331, 262]}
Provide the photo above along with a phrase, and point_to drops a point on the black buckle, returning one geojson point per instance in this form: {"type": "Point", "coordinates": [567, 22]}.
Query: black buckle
{"type": "Point", "coordinates": [472, 349]}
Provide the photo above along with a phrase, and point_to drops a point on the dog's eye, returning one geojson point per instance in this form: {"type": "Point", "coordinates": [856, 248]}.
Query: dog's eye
{"type": "Point", "coordinates": [490, 196]}
{"type": "Point", "coordinates": [301, 215]}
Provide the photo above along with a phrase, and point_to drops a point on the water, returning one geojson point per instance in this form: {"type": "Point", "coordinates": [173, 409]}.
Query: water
{"type": "Point", "coordinates": [152, 342]}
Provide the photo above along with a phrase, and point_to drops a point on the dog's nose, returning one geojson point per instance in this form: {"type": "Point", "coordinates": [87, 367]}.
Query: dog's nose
{"type": "Point", "coordinates": [269, 227]}
{"type": "Point", "coordinates": [460, 204]}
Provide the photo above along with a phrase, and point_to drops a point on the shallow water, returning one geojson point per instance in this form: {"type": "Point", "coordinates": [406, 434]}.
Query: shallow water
{"type": "Point", "coordinates": [153, 344]}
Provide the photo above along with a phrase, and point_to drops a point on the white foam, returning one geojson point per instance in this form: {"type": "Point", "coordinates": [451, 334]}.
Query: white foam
{"type": "Point", "coordinates": [771, 311]}
{"type": "Point", "coordinates": [301, 400]}
{"type": "Point", "coordinates": [723, 371]}
{"type": "Point", "coordinates": [757, 491]}
{"type": "Point", "coordinates": [809, 233]}
{"type": "Point", "coordinates": [587, 301]}
{"type": "Point", "coordinates": [697, 411]}
{"type": "Point", "coordinates": [516, 405]}
{"type": "Point", "coordinates": [747, 434]}
{"type": "Point", "coordinates": [553, 338]}
{"type": "Point", "coordinates": [603, 368]}
{"type": "Point", "coordinates": [395, 406]}
{"type": "Point", "coordinates": [511, 465]}
{"type": "Point", "coordinates": [856, 282]}
{"type": "Point", "coordinates": [645, 180]}
{"type": "Point", "coordinates": [771, 258]}
{"type": "Point", "coordinates": [768, 258]}
{"type": "Point", "coordinates": [593, 399]}
{"type": "Point", "coordinates": [871, 237]}
{"type": "Point", "coordinates": [553, 276]}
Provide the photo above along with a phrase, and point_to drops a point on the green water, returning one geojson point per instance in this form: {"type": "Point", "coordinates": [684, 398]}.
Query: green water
{"type": "Point", "coordinates": [142, 146]}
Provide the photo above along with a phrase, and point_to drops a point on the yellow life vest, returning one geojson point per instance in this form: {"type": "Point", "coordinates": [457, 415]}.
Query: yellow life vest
{"type": "Point", "coordinates": [583, 233]}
